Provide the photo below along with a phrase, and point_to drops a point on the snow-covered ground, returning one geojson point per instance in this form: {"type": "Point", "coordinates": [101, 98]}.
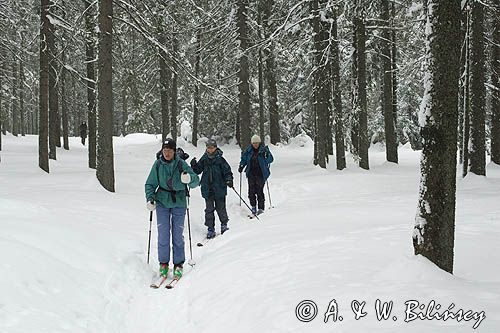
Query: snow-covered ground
{"type": "Point", "coordinates": [73, 256]}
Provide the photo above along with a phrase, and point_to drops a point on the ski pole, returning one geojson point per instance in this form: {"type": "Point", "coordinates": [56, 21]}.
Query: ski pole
{"type": "Point", "coordinates": [245, 203]}
{"type": "Point", "coordinates": [191, 261]}
{"type": "Point", "coordinates": [240, 188]}
{"type": "Point", "coordinates": [149, 241]}
{"type": "Point", "coordinates": [269, 195]}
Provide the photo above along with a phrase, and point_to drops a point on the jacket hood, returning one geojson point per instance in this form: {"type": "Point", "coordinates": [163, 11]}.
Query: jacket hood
{"type": "Point", "coordinates": [217, 153]}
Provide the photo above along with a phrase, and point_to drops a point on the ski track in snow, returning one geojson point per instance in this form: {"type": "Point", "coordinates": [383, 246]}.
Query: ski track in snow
{"type": "Point", "coordinates": [73, 256]}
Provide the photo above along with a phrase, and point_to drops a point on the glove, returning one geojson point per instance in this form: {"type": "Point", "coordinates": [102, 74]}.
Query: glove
{"type": "Point", "coordinates": [229, 183]}
{"type": "Point", "coordinates": [151, 206]}
{"type": "Point", "coordinates": [240, 169]}
{"type": "Point", "coordinates": [193, 162]}
{"type": "Point", "coordinates": [185, 178]}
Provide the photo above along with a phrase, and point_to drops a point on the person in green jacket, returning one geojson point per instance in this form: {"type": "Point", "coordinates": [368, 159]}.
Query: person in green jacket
{"type": "Point", "coordinates": [217, 176]}
{"type": "Point", "coordinates": [166, 189]}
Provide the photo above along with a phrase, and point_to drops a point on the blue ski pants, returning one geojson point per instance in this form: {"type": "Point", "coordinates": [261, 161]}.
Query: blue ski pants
{"type": "Point", "coordinates": [170, 221]}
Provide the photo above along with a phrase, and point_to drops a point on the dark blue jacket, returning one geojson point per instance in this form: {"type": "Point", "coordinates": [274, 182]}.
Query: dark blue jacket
{"type": "Point", "coordinates": [265, 158]}
{"type": "Point", "coordinates": [216, 172]}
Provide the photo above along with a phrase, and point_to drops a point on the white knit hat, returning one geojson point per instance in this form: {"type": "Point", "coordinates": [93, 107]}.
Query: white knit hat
{"type": "Point", "coordinates": [255, 139]}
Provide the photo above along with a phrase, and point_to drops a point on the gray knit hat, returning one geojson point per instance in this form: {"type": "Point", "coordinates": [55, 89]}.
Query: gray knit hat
{"type": "Point", "coordinates": [211, 143]}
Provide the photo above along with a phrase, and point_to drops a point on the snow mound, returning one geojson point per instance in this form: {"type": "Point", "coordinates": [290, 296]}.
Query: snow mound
{"type": "Point", "coordinates": [301, 140]}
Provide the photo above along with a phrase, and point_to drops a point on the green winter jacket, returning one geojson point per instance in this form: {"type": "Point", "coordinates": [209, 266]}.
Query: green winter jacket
{"type": "Point", "coordinates": [164, 182]}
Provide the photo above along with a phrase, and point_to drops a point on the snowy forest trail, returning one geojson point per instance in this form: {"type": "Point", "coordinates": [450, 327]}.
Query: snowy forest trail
{"type": "Point", "coordinates": [73, 256]}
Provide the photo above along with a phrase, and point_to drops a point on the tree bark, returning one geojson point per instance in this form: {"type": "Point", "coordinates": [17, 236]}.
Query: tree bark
{"type": "Point", "coordinates": [495, 81]}
{"type": "Point", "coordinates": [43, 100]}
{"type": "Point", "coordinates": [391, 148]}
{"type": "Point", "coordinates": [90, 83]}
{"type": "Point", "coordinates": [165, 75]}
{"type": "Point", "coordinates": [322, 82]}
{"type": "Point", "coordinates": [64, 106]}
{"type": "Point", "coordinates": [15, 107]}
{"type": "Point", "coordinates": [270, 74]}
{"type": "Point", "coordinates": [105, 164]}
{"type": "Point", "coordinates": [1, 95]}
{"type": "Point", "coordinates": [243, 86]}
{"type": "Point", "coordinates": [461, 90]}
{"type": "Point", "coordinates": [53, 104]}
{"type": "Point", "coordinates": [394, 68]}
{"type": "Point", "coordinates": [354, 98]}
{"type": "Point", "coordinates": [466, 97]}
{"type": "Point", "coordinates": [196, 97]}
{"type": "Point", "coordinates": [477, 146]}
{"type": "Point", "coordinates": [124, 109]}
{"type": "Point", "coordinates": [174, 91]}
{"type": "Point", "coordinates": [22, 112]}
{"type": "Point", "coordinates": [262, 132]}
{"type": "Point", "coordinates": [363, 140]}
{"type": "Point", "coordinates": [434, 230]}
{"type": "Point", "coordinates": [336, 95]}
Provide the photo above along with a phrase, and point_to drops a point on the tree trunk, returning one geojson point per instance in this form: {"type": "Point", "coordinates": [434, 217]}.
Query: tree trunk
{"type": "Point", "coordinates": [1, 95]}
{"type": "Point", "coordinates": [363, 140]}
{"type": "Point", "coordinates": [394, 69]}
{"type": "Point", "coordinates": [105, 165]}
{"type": "Point", "coordinates": [64, 106]}
{"type": "Point", "coordinates": [43, 100]}
{"type": "Point", "coordinates": [336, 95]}
{"type": "Point", "coordinates": [495, 98]}
{"type": "Point", "coordinates": [165, 76]}
{"type": "Point", "coordinates": [174, 93]}
{"type": "Point", "coordinates": [243, 86]}
{"type": "Point", "coordinates": [434, 231]}
{"type": "Point", "coordinates": [53, 102]}
{"type": "Point", "coordinates": [124, 108]}
{"type": "Point", "coordinates": [262, 132]}
{"type": "Point", "coordinates": [22, 125]}
{"type": "Point", "coordinates": [90, 83]}
{"type": "Point", "coordinates": [354, 98]}
{"type": "Point", "coordinates": [15, 107]}
{"type": "Point", "coordinates": [477, 146]}
{"type": "Point", "coordinates": [270, 74]}
{"type": "Point", "coordinates": [391, 148]}
{"type": "Point", "coordinates": [76, 115]}
{"type": "Point", "coordinates": [196, 97]}
{"type": "Point", "coordinates": [466, 97]}
{"type": "Point", "coordinates": [322, 82]}
{"type": "Point", "coordinates": [461, 90]}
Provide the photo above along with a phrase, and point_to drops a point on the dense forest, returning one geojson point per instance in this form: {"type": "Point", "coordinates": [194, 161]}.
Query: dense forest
{"type": "Point", "coordinates": [345, 73]}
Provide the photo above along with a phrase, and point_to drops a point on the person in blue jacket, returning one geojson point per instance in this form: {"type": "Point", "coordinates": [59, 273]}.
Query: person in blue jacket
{"type": "Point", "coordinates": [256, 158]}
{"type": "Point", "coordinates": [166, 190]}
{"type": "Point", "coordinates": [217, 176]}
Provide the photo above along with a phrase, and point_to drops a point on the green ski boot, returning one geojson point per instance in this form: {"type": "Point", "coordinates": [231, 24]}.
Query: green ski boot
{"type": "Point", "coordinates": [164, 269]}
{"type": "Point", "coordinates": [177, 271]}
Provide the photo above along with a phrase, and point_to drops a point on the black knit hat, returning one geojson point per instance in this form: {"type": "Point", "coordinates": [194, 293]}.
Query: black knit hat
{"type": "Point", "coordinates": [169, 143]}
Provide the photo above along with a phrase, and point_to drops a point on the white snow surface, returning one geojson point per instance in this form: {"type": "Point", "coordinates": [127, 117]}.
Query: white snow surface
{"type": "Point", "coordinates": [73, 256]}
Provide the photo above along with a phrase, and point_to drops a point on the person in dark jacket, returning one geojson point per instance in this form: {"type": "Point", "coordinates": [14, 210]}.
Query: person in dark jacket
{"type": "Point", "coordinates": [216, 177]}
{"type": "Point", "coordinates": [256, 158]}
{"type": "Point", "coordinates": [83, 132]}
